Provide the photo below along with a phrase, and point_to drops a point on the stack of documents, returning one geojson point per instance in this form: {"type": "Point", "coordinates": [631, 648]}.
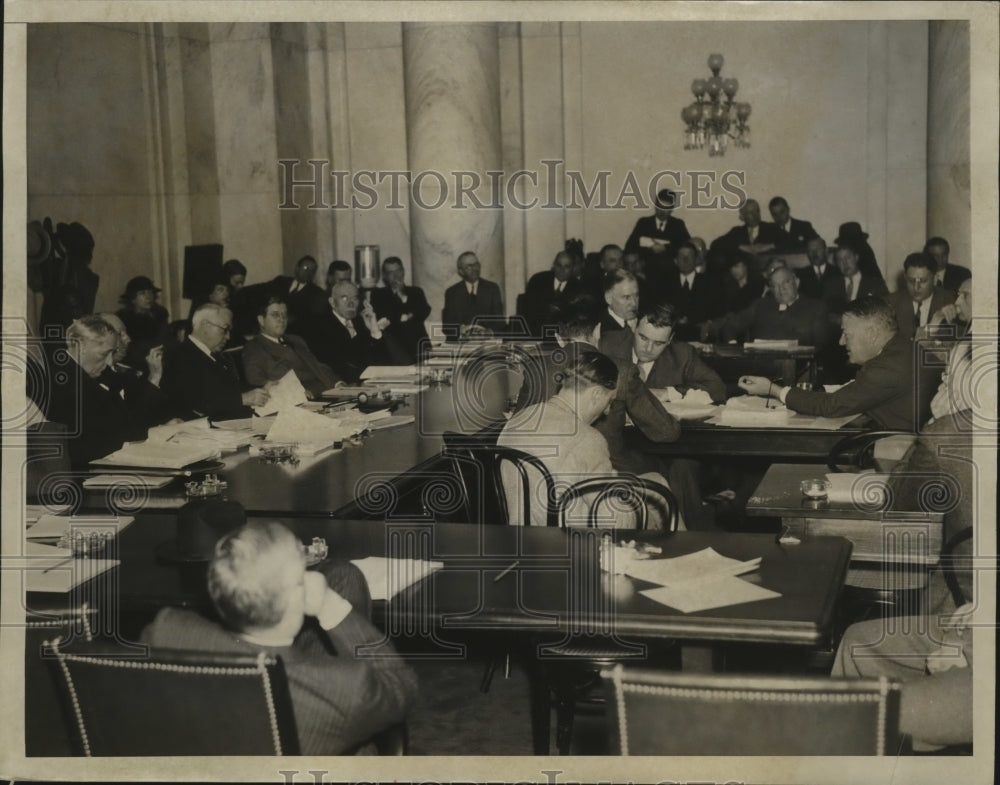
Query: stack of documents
{"type": "Point", "coordinates": [200, 433]}
{"type": "Point", "coordinates": [390, 373]}
{"type": "Point", "coordinates": [699, 581]}
{"type": "Point", "coordinates": [750, 411]}
{"type": "Point", "coordinates": [53, 527]}
{"type": "Point", "coordinates": [771, 345]}
{"type": "Point", "coordinates": [47, 568]}
{"type": "Point", "coordinates": [286, 393]}
{"type": "Point", "coordinates": [160, 455]}
{"type": "Point", "coordinates": [690, 406]}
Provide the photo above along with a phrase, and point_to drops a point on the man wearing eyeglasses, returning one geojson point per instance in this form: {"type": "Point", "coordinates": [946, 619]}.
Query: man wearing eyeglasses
{"type": "Point", "coordinates": [203, 382]}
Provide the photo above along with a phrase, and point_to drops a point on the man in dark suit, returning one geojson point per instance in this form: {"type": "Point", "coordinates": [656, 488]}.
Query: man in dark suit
{"type": "Point", "coordinates": [947, 275]}
{"type": "Point", "coordinates": [405, 308]}
{"type": "Point", "coordinates": [470, 298]}
{"type": "Point", "coordinates": [855, 283]}
{"type": "Point", "coordinates": [694, 298]}
{"type": "Point", "coordinates": [782, 316]}
{"type": "Point", "coordinates": [348, 337]}
{"type": "Point", "coordinates": [915, 304]}
{"type": "Point", "coordinates": [621, 293]}
{"type": "Point", "coordinates": [657, 236]}
{"type": "Point", "coordinates": [547, 288]}
{"type": "Point", "coordinates": [306, 301]}
{"type": "Point", "coordinates": [884, 387]}
{"type": "Point", "coordinates": [202, 381]}
{"type": "Point", "coordinates": [95, 414]}
{"type": "Point", "coordinates": [850, 234]}
{"type": "Point", "coordinates": [139, 388]}
{"type": "Point", "coordinates": [753, 237]}
{"type": "Point", "coordinates": [346, 680]}
{"type": "Point", "coordinates": [794, 233]}
{"type": "Point", "coordinates": [821, 280]}
{"type": "Point", "coordinates": [598, 266]}
{"type": "Point", "coordinates": [272, 353]}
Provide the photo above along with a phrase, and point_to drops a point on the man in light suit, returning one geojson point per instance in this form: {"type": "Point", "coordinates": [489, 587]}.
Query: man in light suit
{"type": "Point", "coordinates": [272, 353]}
{"type": "Point", "coordinates": [884, 389]}
{"type": "Point", "coordinates": [915, 304]}
{"type": "Point", "coordinates": [947, 275]}
{"type": "Point", "coordinates": [794, 233]}
{"type": "Point", "coordinates": [203, 382]}
{"type": "Point", "coordinates": [470, 298]}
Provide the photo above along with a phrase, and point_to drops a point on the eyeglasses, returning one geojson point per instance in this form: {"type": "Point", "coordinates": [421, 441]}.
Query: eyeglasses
{"type": "Point", "coordinates": [226, 329]}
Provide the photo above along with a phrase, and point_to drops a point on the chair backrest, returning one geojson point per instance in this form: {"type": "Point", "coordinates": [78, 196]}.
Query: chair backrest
{"type": "Point", "coordinates": [618, 494]}
{"type": "Point", "coordinates": [669, 713]}
{"type": "Point", "coordinates": [857, 451]}
{"type": "Point", "coordinates": [175, 703]}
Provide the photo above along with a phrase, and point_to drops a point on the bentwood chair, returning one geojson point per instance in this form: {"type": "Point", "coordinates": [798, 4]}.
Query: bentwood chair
{"type": "Point", "coordinates": [856, 452]}
{"type": "Point", "coordinates": [660, 713]}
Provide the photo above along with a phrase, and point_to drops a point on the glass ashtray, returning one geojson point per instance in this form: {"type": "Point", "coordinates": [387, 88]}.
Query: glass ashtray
{"type": "Point", "coordinates": [814, 488]}
{"type": "Point", "coordinates": [316, 552]}
{"type": "Point", "coordinates": [279, 453]}
{"type": "Point", "coordinates": [83, 544]}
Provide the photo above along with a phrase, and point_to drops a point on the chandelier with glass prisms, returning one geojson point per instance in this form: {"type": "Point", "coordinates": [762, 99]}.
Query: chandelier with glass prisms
{"type": "Point", "coordinates": [715, 118]}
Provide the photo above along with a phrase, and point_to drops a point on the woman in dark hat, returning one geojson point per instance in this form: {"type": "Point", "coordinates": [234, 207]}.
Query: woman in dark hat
{"type": "Point", "coordinates": [144, 319]}
{"type": "Point", "coordinates": [850, 235]}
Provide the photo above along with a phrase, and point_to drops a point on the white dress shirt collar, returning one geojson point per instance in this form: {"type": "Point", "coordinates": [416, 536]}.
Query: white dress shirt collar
{"type": "Point", "coordinates": [201, 346]}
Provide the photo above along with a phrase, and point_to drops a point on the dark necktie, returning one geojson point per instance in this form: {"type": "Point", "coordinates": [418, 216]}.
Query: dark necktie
{"type": "Point", "coordinates": [687, 286]}
{"type": "Point", "coordinates": [916, 316]}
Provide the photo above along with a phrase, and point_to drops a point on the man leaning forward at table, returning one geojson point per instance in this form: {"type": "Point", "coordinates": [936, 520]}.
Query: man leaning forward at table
{"type": "Point", "coordinates": [885, 386]}
{"type": "Point", "coordinates": [268, 601]}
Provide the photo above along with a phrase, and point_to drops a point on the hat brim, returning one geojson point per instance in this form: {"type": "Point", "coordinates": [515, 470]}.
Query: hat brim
{"type": "Point", "coordinates": [42, 240]}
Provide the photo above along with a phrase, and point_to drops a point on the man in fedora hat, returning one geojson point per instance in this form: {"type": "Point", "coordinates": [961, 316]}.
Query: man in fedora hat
{"type": "Point", "coordinates": [345, 678]}
{"type": "Point", "coordinates": [850, 234]}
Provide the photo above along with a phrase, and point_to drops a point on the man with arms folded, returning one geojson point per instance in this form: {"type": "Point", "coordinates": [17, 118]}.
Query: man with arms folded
{"type": "Point", "coordinates": [547, 288]}
{"type": "Point", "coordinates": [203, 382]}
{"type": "Point", "coordinates": [267, 601]}
{"type": "Point", "coordinates": [272, 353]}
{"type": "Point", "coordinates": [884, 387]}
{"type": "Point", "coordinates": [404, 308]}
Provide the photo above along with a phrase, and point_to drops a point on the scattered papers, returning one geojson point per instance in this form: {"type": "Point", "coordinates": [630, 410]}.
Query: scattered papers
{"type": "Point", "coordinates": [705, 564]}
{"type": "Point", "coordinates": [50, 569]}
{"type": "Point", "coordinates": [718, 593]}
{"type": "Point", "coordinates": [171, 431]}
{"type": "Point", "coordinates": [111, 480]}
{"type": "Point", "coordinates": [250, 425]}
{"type": "Point", "coordinates": [32, 512]}
{"type": "Point", "coordinates": [408, 389]}
{"type": "Point", "coordinates": [751, 411]}
{"type": "Point", "coordinates": [692, 405]}
{"type": "Point", "coordinates": [50, 527]}
{"type": "Point", "coordinates": [286, 393]}
{"type": "Point", "coordinates": [304, 428]}
{"type": "Point", "coordinates": [159, 455]}
{"type": "Point", "coordinates": [388, 577]}
{"type": "Point", "coordinates": [391, 422]}
{"type": "Point", "coordinates": [771, 345]}
{"type": "Point", "coordinates": [867, 490]}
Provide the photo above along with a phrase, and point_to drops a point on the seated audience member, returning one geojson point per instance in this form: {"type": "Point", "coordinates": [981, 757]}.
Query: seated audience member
{"type": "Point", "coordinates": [338, 270]}
{"type": "Point", "coordinates": [958, 383]}
{"type": "Point", "coordinates": [346, 680]}
{"type": "Point", "coordinates": [610, 259]}
{"type": "Point", "coordinates": [794, 233]}
{"type": "Point", "coordinates": [692, 294]}
{"type": "Point", "coordinates": [144, 318]}
{"type": "Point", "coordinates": [782, 316]}
{"type": "Point", "coordinates": [915, 304]}
{"type": "Point", "coordinates": [202, 381]}
{"type": "Point", "coordinates": [752, 237]}
{"type": "Point", "coordinates": [856, 285]}
{"type": "Point", "coordinates": [884, 388]}
{"type": "Point", "coordinates": [96, 416]}
{"type": "Point", "coordinates": [348, 337]}
{"type": "Point", "coordinates": [742, 286]}
{"type": "Point", "coordinates": [217, 293]}
{"type": "Point", "coordinates": [559, 430]}
{"type": "Point", "coordinates": [850, 234]}
{"type": "Point", "coordinates": [657, 236]}
{"type": "Point", "coordinates": [621, 293]}
{"type": "Point", "coordinates": [821, 280]}
{"type": "Point", "coordinates": [242, 299]}
{"type": "Point", "coordinates": [931, 655]}
{"type": "Point", "coordinates": [235, 273]}
{"type": "Point", "coordinates": [470, 298]}
{"type": "Point", "coordinates": [139, 388]}
{"type": "Point", "coordinates": [271, 353]}
{"type": "Point", "coordinates": [546, 288]}
{"type": "Point", "coordinates": [947, 275]}
{"type": "Point", "coordinates": [405, 308]}
{"type": "Point", "coordinates": [306, 301]}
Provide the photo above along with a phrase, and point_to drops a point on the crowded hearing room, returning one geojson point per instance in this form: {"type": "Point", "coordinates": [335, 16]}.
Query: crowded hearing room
{"type": "Point", "coordinates": [577, 392]}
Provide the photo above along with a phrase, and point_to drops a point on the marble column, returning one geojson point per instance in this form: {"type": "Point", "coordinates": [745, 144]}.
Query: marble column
{"type": "Point", "coordinates": [949, 211]}
{"type": "Point", "coordinates": [452, 86]}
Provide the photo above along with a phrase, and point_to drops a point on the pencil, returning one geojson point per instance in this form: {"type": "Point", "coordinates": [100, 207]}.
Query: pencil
{"type": "Point", "coordinates": [507, 570]}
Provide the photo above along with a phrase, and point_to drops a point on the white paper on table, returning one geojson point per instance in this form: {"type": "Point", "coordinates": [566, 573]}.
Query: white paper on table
{"type": "Point", "coordinates": [667, 394]}
{"type": "Point", "coordinates": [50, 569]}
{"type": "Point", "coordinates": [387, 577]}
{"type": "Point", "coordinates": [117, 480]}
{"type": "Point", "coordinates": [391, 422]}
{"type": "Point", "coordinates": [286, 393]}
{"type": "Point", "coordinates": [771, 344]}
{"type": "Point", "coordinates": [51, 526]}
{"type": "Point", "coordinates": [865, 489]}
{"type": "Point", "coordinates": [690, 568]}
{"type": "Point", "coordinates": [160, 455]}
{"type": "Point", "coordinates": [298, 426]}
{"type": "Point", "coordinates": [716, 593]}
{"type": "Point", "coordinates": [407, 389]}
{"type": "Point", "coordinates": [32, 512]}
{"type": "Point", "coordinates": [380, 372]}
{"type": "Point", "coordinates": [174, 431]}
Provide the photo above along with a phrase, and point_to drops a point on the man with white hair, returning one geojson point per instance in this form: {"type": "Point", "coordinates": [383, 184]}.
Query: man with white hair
{"type": "Point", "coordinates": [346, 680]}
{"type": "Point", "coordinates": [140, 389]}
{"type": "Point", "coordinates": [203, 382]}
{"type": "Point", "coordinates": [71, 392]}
